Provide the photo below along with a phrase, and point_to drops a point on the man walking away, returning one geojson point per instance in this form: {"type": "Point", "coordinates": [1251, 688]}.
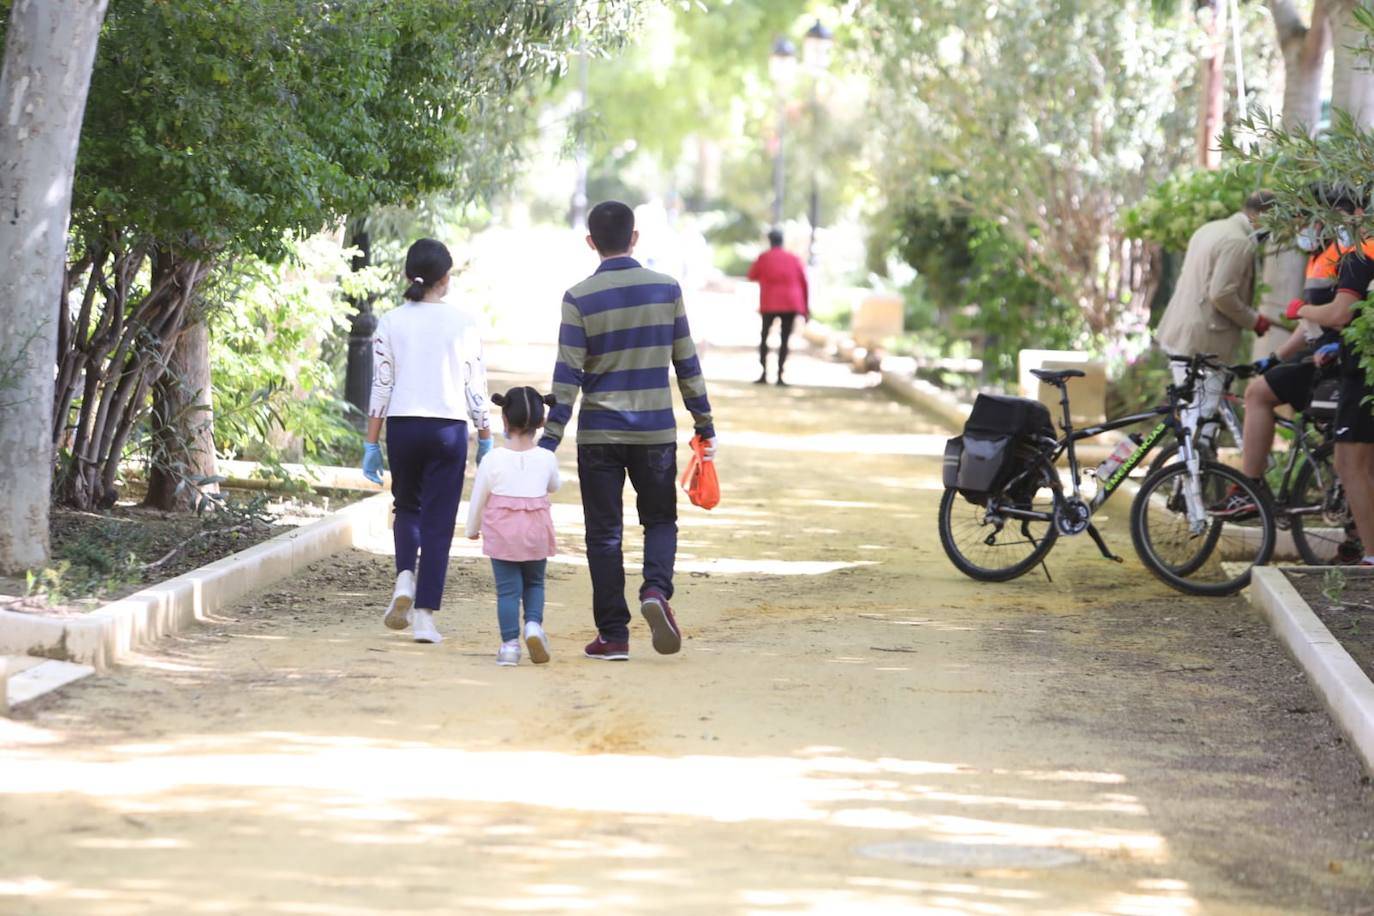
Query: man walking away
{"type": "Point", "coordinates": [1211, 304]}
{"type": "Point", "coordinates": [622, 328]}
{"type": "Point", "coordinates": [783, 295]}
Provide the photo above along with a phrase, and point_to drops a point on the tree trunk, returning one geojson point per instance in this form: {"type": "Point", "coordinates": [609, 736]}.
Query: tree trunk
{"type": "Point", "coordinates": [1352, 80]}
{"type": "Point", "coordinates": [49, 54]}
{"type": "Point", "coordinates": [1305, 49]}
{"type": "Point", "coordinates": [183, 455]}
{"type": "Point", "coordinates": [1212, 107]}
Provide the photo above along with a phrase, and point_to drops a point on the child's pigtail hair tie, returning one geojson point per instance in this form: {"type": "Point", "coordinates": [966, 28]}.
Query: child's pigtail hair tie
{"type": "Point", "coordinates": [499, 400]}
{"type": "Point", "coordinates": [550, 400]}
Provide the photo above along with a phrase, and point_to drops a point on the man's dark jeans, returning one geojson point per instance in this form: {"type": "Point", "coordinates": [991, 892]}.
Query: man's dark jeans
{"type": "Point", "coordinates": [601, 472]}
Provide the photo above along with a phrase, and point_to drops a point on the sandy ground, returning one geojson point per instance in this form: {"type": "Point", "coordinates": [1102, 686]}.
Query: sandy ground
{"type": "Point", "coordinates": [845, 701]}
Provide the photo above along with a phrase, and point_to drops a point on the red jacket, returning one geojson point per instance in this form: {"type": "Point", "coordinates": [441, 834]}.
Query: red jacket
{"type": "Point", "coordinates": [782, 283]}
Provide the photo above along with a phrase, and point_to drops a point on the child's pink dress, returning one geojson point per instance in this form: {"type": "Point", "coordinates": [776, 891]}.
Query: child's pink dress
{"type": "Point", "coordinates": [510, 504]}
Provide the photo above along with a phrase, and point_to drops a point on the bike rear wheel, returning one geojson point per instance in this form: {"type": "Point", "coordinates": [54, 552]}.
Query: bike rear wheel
{"type": "Point", "coordinates": [1217, 558]}
{"type": "Point", "coordinates": [986, 544]}
{"type": "Point", "coordinates": [1320, 518]}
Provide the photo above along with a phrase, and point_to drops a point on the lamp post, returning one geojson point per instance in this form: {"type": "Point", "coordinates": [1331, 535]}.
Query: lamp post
{"type": "Point", "coordinates": [816, 47]}
{"type": "Point", "coordinates": [781, 65]}
{"type": "Point", "coordinates": [362, 325]}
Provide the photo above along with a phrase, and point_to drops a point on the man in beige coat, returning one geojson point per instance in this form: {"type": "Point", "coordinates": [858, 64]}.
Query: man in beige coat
{"type": "Point", "coordinates": [1211, 304]}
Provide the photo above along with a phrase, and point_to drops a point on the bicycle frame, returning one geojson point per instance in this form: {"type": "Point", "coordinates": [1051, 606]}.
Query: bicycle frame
{"type": "Point", "coordinates": [1197, 515]}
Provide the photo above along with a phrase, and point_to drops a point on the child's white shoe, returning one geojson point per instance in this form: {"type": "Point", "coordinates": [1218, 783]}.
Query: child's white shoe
{"type": "Point", "coordinates": [397, 616]}
{"type": "Point", "coordinates": [422, 626]}
{"type": "Point", "coordinates": [509, 654]}
{"type": "Point", "coordinates": [537, 643]}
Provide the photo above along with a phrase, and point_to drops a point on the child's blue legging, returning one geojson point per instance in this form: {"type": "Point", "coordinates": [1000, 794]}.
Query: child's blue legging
{"type": "Point", "coordinates": [514, 581]}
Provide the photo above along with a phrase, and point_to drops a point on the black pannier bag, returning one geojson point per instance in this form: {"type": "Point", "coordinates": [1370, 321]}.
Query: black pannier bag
{"type": "Point", "coordinates": [999, 433]}
{"type": "Point", "coordinates": [954, 450]}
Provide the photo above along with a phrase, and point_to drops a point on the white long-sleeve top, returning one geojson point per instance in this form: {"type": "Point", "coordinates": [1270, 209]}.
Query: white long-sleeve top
{"type": "Point", "coordinates": [427, 362]}
{"type": "Point", "coordinates": [506, 472]}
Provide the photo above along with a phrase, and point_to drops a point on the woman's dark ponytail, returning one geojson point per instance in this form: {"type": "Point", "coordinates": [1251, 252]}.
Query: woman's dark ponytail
{"type": "Point", "coordinates": [523, 408]}
{"type": "Point", "coordinates": [427, 262]}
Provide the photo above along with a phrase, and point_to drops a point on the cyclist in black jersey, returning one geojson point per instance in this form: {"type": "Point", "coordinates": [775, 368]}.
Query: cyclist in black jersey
{"type": "Point", "coordinates": [1354, 420]}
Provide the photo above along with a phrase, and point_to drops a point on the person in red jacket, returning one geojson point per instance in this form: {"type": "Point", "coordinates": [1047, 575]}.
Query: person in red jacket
{"type": "Point", "coordinates": [783, 295]}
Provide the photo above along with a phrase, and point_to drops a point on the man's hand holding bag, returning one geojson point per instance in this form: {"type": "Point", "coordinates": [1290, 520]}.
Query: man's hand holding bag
{"type": "Point", "coordinates": [699, 479]}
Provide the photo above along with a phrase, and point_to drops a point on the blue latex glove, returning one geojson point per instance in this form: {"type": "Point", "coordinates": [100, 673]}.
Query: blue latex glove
{"type": "Point", "coordinates": [372, 462]}
{"type": "Point", "coordinates": [483, 446]}
{"type": "Point", "coordinates": [1327, 353]}
{"type": "Point", "coordinates": [1264, 365]}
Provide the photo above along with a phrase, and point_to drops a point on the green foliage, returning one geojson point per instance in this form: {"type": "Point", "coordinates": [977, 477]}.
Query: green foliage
{"type": "Point", "coordinates": [973, 294]}
{"type": "Point", "coordinates": [1300, 169]}
{"type": "Point", "coordinates": [1043, 118]}
{"type": "Point", "coordinates": [97, 561]}
{"type": "Point", "coordinates": [222, 127]}
{"type": "Point", "coordinates": [1334, 585]}
{"type": "Point", "coordinates": [693, 68]}
{"type": "Point", "coordinates": [266, 341]}
{"type": "Point", "coordinates": [1178, 206]}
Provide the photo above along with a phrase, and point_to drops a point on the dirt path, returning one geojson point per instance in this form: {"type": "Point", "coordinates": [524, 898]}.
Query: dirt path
{"type": "Point", "coordinates": [1095, 745]}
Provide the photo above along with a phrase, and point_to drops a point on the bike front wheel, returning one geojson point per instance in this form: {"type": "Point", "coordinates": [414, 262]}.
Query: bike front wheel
{"type": "Point", "coordinates": [986, 544]}
{"type": "Point", "coordinates": [1214, 556]}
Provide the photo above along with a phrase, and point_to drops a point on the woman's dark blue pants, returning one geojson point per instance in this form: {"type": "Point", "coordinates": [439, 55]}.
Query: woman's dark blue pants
{"type": "Point", "coordinates": [428, 457]}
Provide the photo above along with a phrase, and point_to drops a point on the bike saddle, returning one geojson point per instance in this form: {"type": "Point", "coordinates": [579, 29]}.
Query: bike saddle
{"type": "Point", "coordinates": [1056, 376]}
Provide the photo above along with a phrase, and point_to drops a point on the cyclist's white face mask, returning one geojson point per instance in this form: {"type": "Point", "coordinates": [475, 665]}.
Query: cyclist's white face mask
{"type": "Point", "coordinates": [1344, 237]}
{"type": "Point", "coordinates": [1309, 239]}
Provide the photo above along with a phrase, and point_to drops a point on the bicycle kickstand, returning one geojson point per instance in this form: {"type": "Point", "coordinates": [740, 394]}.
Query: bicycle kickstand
{"type": "Point", "coordinates": [1102, 545]}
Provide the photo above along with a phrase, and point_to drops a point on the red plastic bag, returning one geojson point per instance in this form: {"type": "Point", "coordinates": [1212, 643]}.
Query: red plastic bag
{"type": "Point", "coordinates": [699, 479]}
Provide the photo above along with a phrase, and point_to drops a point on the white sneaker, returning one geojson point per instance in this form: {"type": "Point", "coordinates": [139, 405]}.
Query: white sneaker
{"type": "Point", "coordinates": [397, 616]}
{"type": "Point", "coordinates": [537, 643]}
{"type": "Point", "coordinates": [422, 626]}
{"type": "Point", "coordinates": [509, 654]}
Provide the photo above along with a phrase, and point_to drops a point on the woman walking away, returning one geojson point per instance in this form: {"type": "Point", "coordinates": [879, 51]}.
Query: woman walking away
{"type": "Point", "coordinates": [427, 375]}
{"type": "Point", "coordinates": [510, 511]}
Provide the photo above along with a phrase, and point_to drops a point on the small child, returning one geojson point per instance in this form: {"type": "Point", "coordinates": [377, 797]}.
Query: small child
{"type": "Point", "coordinates": [510, 508]}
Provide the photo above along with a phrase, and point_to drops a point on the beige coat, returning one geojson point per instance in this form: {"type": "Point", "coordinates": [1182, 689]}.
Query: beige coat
{"type": "Point", "coordinates": [1212, 303]}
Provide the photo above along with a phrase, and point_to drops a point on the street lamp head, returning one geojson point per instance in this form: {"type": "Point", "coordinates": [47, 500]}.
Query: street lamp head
{"type": "Point", "coordinates": [782, 62]}
{"type": "Point", "coordinates": [816, 46]}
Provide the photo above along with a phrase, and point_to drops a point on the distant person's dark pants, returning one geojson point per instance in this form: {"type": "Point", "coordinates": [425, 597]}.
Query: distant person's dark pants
{"type": "Point", "coordinates": [428, 457]}
{"type": "Point", "coordinates": [601, 472]}
{"type": "Point", "coordinates": [788, 319]}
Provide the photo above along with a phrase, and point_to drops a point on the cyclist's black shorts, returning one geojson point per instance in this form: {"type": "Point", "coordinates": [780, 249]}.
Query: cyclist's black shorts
{"type": "Point", "coordinates": [1354, 417]}
{"type": "Point", "coordinates": [1292, 383]}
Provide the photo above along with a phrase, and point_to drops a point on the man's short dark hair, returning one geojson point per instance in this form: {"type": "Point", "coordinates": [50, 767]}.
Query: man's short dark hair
{"type": "Point", "coordinates": [611, 224]}
{"type": "Point", "coordinates": [1259, 202]}
{"type": "Point", "coordinates": [775, 238]}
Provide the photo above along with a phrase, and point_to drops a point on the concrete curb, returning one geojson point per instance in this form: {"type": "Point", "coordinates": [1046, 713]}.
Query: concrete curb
{"type": "Point", "coordinates": [320, 476]}
{"type": "Point", "coordinates": [926, 397]}
{"type": "Point", "coordinates": [1342, 685]}
{"type": "Point", "coordinates": [40, 679]}
{"type": "Point", "coordinates": [108, 634]}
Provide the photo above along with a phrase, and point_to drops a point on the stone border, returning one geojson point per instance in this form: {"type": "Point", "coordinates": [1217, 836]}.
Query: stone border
{"type": "Point", "coordinates": [1342, 685]}
{"type": "Point", "coordinates": [105, 636]}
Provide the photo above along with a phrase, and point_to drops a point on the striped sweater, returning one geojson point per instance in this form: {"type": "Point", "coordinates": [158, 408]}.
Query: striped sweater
{"type": "Point", "coordinates": [622, 327]}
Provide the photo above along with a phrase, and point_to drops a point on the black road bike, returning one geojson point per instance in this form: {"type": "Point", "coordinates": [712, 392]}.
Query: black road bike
{"type": "Point", "coordinates": [1175, 523]}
